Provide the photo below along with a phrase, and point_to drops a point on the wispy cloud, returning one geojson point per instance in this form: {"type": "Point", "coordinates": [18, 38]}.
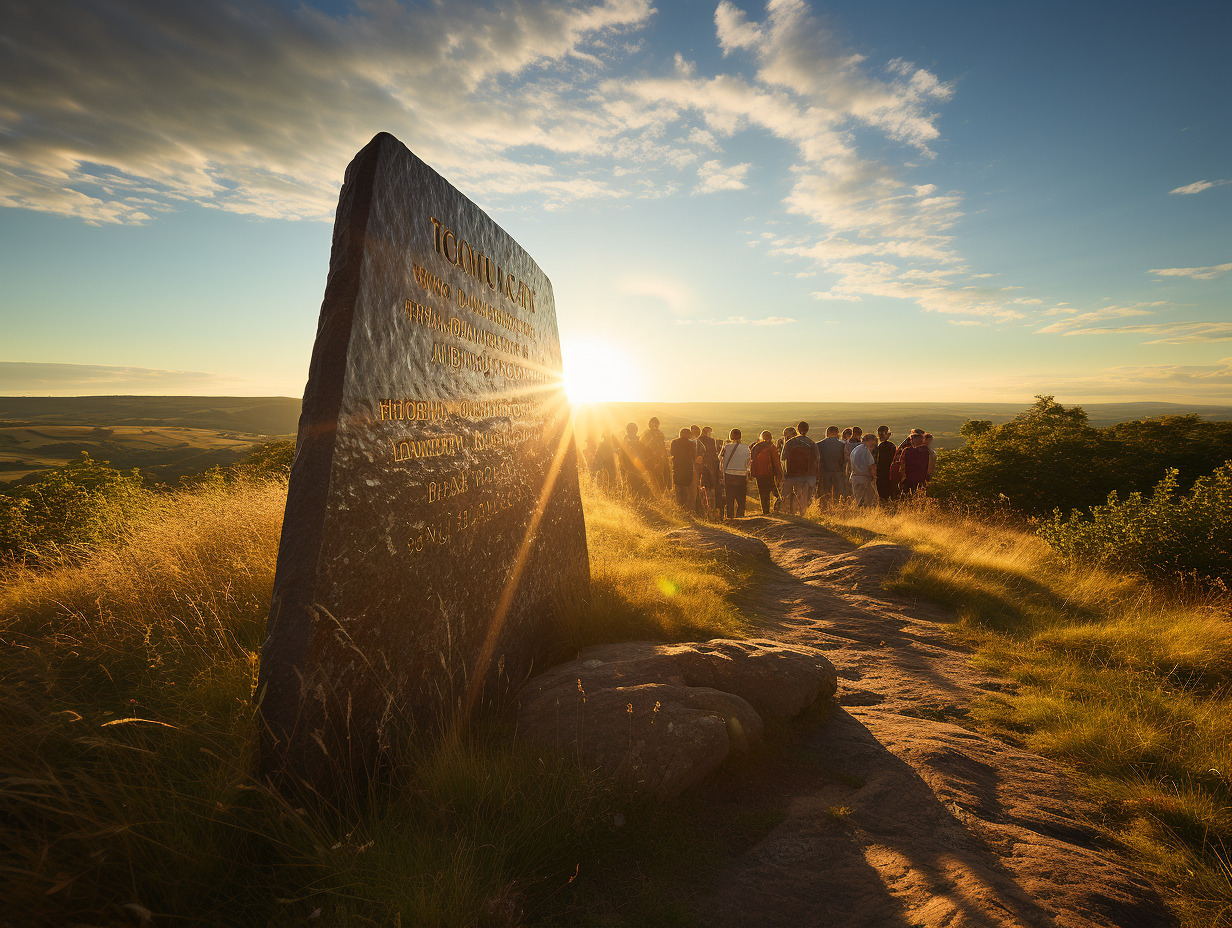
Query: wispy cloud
{"type": "Point", "coordinates": [1199, 185]}
{"type": "Point", "coordinates": [1184, 381]}
{"type": "Point", "coordinates": [1197, 273]}
{"type": "Point", "coordinates": [1163, 333]}
{"type": "Point", "coordinates": [1077, 323]}
{"type": "Point", "coordinates": [32, 378]}
{"type": "Point", "coordinates": [738, 320]}
{"type": "Point", "coordinates": [675, 294]}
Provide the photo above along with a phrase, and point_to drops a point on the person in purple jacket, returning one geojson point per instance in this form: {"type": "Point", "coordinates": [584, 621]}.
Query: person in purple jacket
{"type": "Point", "coordinates": [915, 465]}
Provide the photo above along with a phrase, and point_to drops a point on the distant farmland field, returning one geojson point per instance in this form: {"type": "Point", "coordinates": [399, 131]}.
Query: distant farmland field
{"type": "Point", "coordinates": [171, 436]}
{"type": "Point", "coordinates": [942, 419]}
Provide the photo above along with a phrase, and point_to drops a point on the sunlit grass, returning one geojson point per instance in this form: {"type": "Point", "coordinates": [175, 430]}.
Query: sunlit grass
{"type": "Point", "coordinates": [1128, 682]}
{"type": "Point", "coordinates": [126, 702]}
{"type": "Point", "coordinates": [647, 585]}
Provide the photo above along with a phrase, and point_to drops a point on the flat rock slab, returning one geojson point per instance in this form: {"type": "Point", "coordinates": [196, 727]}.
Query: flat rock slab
{"type": "Point", "coordinates": [894, 815]}
{"type": "Point", "coordinates": [663, 716]}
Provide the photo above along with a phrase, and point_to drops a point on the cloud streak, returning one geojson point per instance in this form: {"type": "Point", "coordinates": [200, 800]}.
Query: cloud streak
{"type": "Point", "coordinates": [33, 378]}
{"type": "Point", "coordinates": [1197, 273]}
{"type": "Point", "coordinates": [1199, 186]}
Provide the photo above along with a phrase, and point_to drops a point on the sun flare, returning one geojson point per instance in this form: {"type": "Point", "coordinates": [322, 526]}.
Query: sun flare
{"type": "Point", "coordinates": [598, 373]}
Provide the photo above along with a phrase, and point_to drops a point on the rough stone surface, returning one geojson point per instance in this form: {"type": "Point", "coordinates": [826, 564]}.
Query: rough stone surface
{"type": "Point", "coordinates": [664, 716]}
{"type": "Point", "coordinates": [893, 813]}
{"type": "Point", "coordinates": [433, 519]}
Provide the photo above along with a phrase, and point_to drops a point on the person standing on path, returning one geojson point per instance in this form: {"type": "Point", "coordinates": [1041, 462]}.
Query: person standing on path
{"type": "Point", "coordinates": [864, 472]}
{"type": "Point", "coordinates": [654, 450]}
{"type": "Point", "coordinates": [632, 470]}
{"type": "Point", "coordinates": [799, 470]}
{"type": "Point", "coordinates": [845, 486]}
{"type": "Point", "coordinates": [695, 433]}
{"type": "Point", "coordinates": [764, 467]}
{"type": "Point", "coordinates": [915, 465]}
{"type": "Point", "coordinates": [831, 467]}
{"type": "Point", "coordinates": [683, 453]}
{"type": "Point", "coordinates": [932, 455]}
{"type": "Point", "coordinates": [709, 477]}
{"type": "Point", "coordinates": [885, 463]}
{"type": "Point", "coordinates": [735, 467]}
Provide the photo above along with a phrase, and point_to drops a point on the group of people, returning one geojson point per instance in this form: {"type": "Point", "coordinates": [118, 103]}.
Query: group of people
{"type": "Point", "coordinates": [707, 475]}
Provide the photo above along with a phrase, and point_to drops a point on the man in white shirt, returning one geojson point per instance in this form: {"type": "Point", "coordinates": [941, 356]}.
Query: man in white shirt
{"type": "Point", "coordinates": [864, 472]}
{"type": "Point", "coordinates": [735, 466]}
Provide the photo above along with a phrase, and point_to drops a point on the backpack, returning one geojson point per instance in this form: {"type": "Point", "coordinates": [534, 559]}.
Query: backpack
{"type": "Point", "coordinates": [763, 463]}
{"type": "Point", "coordinates": [897, 468]}
{"type": "Point", "coordinates": [799, 460]}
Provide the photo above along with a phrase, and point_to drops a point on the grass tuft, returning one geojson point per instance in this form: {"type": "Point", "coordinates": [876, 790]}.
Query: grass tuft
{"type": "Point", "coordinates": [127, 670]}
{"type": "Point", "coordinates": [1127, 681]}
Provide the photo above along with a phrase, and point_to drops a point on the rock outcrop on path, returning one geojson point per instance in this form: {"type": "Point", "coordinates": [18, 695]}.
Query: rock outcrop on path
{"type": "Point", "coordinates": [899, 815]}
{"type": "Point", "coordinates": [663, 716]}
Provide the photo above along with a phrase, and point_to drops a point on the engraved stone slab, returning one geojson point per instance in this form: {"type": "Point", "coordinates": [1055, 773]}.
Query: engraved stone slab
{"type": "Point", "coordinates": [433, 524]}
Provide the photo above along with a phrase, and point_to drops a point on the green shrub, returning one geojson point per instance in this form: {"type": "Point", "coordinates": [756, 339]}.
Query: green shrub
{"type": "Point", "coordinates": [1163, 534]}
{"type": "Point", "coordinates": [78, 504]}
{"type": "Point", "coordinates": [1049, 457]}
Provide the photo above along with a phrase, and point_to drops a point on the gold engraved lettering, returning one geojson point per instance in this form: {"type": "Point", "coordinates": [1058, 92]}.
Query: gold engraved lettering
{"type": "Point", "coordinates": [463, 256]}
{"type": "Point", "coordinates": [420, 448]}
{"type": "Point", "coordinates": [461, 359]}
{"type": "Point", "coordinates": [400, 408]}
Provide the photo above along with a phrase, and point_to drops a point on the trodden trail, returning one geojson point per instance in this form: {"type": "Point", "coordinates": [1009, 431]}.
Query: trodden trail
{"type": "Point", "coordinates": [895, 816]}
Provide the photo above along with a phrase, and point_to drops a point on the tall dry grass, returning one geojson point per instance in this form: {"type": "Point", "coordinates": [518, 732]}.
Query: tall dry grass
{"type": "Point", "coordinates": [127, 672]}
{"type": "Point", "coordinates": [1128, 681]}
{"type": "Point", "coordinates": [646, 584]}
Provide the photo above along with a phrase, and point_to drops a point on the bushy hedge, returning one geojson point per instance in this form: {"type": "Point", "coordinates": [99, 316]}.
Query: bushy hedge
{"type": "Point", "coordinates": [78, 504]}
{"type": "Point", "coordinates": [1165, 533]}
{"type": "Point", "coordinates": [1050, 457]}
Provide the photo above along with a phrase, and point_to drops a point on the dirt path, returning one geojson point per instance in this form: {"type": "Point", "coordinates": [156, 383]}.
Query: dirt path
{"type": "Point", "coordinates": [895, 815]}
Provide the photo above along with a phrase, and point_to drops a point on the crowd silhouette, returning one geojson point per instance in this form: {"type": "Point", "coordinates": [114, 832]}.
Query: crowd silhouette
{"type": "Point", "coordinates": [713, 478]}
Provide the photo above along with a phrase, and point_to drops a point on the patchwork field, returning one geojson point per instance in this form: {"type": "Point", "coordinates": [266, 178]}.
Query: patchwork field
{"type": "Point", "coordinates": [162, 452]}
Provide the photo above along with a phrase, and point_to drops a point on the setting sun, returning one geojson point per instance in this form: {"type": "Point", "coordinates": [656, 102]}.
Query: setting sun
{"type": "Point", "coordinates": [598, 373]}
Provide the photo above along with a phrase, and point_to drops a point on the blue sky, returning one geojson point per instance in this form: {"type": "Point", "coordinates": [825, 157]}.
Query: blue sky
{"type": "Point", "coordinates": [734, 201]}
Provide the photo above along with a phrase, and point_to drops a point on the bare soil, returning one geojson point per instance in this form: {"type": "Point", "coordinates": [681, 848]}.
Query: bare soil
{"type": "Point", "coordinates": [896, 813]}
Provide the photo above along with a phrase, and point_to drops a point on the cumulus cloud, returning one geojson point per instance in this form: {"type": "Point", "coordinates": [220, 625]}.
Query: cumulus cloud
{"type": "Point", "coordinates": [873, 229]}
{"type": "Point", "coordinates": [32, 378]}
{"type": "Point", "coordinates": [713, 177]}
{"type": "Point", "coordinates": [1197, 273]}
{"type": "Point", "coordinates": [127, 108]}
{"type": "Point", "coordinates": [1199, 185]}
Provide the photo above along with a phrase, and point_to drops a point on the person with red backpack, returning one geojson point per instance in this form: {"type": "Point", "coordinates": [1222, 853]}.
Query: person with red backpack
{"type": "Point", "coordinates": [800, 460]}
{"type": "Point", "coordinates": [764, 467]}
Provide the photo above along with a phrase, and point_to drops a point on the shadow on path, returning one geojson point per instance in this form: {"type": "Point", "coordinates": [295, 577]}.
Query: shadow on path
{"type": "Point", "coordinates": [894, 815]}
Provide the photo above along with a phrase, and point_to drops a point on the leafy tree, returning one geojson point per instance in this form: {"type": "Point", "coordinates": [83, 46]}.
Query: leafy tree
{"type": "Point", "coordinates": [272, 459]}
{"type": "Point", "coordinates": [1050, 457]}
{"type": "Point", "coordinates": [1047, 456]}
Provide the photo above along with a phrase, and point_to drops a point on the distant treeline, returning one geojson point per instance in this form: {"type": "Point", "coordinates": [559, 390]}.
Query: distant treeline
{"type": "Point", "coordinates": [1152, 496]}
{"type": "Point", "coordinates": [1050, 457]}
